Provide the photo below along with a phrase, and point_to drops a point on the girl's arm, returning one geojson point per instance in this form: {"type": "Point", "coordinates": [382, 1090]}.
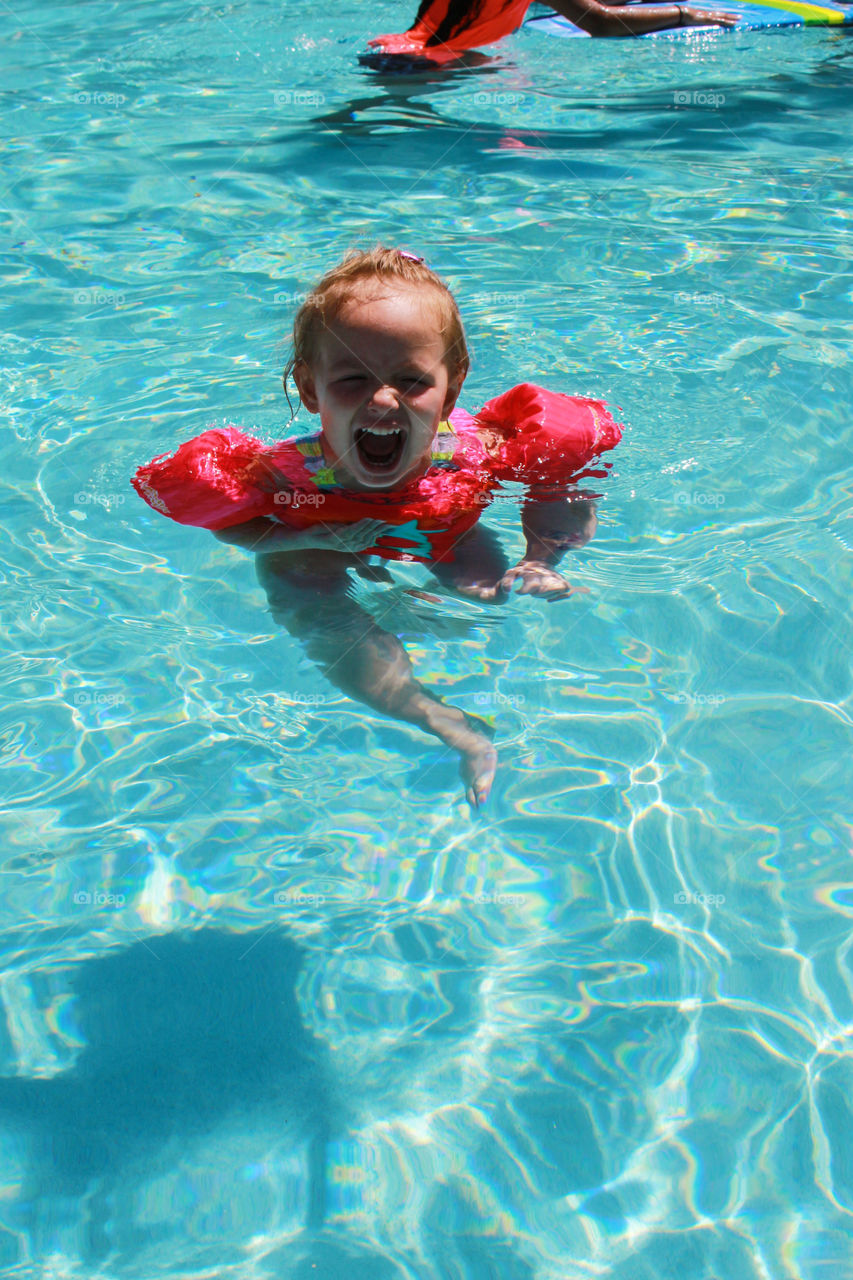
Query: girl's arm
{"type": "Point", "coordinates": [268, 537]}
{"type": "Point", "coordinates": [610, 19]}
{"type": "Point", "coordinates": [551, 528]}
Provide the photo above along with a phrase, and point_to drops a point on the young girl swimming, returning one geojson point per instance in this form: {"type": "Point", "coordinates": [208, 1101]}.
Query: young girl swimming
{"type": "Point", "coordinates": [379, 353]}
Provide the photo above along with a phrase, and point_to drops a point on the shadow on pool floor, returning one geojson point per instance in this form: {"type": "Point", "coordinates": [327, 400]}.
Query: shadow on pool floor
{"type": "Point", "coordinates": [182, 1032]}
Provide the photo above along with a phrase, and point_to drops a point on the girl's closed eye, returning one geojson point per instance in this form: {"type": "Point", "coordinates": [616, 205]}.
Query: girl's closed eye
{"type": "Point", "coordinates": [409, 383]}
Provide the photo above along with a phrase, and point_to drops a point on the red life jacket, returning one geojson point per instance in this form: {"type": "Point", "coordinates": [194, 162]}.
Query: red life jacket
{"type": "Point", "coordinates": [537, 437]}
{"type": "Point", "coordinates": [494, 20]}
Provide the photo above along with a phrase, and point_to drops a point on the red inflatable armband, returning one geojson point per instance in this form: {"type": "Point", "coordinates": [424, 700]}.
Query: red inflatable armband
{"type": "Point", "coordinates": [547, 438]}
{"type": "Point", "coordinates": [207, 482]}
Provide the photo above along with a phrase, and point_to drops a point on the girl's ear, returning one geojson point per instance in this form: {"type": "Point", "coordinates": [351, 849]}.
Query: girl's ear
{"type": "Point", "coordinates": [304, 380]}
{"type": "Point", "coordinates": [453, 389]}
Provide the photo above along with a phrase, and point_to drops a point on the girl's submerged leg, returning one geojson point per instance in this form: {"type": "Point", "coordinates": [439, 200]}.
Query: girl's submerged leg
{"type": "Point", "coordinates": [370, 664]}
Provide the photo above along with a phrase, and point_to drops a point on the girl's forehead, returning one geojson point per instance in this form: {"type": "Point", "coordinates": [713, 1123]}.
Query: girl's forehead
{"type": "Point", "coordinates": [376, 301]}
{"type": "Point", "coordinates": [392, 325]}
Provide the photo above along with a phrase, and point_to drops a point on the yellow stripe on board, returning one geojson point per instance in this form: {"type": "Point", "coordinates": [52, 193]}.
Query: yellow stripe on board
{"type": "Point", "coordinates": [812, 15]}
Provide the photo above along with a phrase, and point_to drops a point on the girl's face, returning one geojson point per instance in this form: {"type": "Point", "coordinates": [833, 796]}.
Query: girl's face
{"type": "Point", "coordinates": [380, 385]}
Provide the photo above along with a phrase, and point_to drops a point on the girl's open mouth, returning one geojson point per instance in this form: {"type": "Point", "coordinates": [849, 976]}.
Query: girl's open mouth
{"type": "Point", "coordinates": [379, 449]}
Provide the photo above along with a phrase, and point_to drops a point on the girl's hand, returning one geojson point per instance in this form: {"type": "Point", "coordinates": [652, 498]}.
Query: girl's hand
{"type": "Point", "coordinates": [537, 579]}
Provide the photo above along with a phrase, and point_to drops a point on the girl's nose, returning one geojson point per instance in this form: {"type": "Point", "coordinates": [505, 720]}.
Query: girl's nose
{"type": "Point", "coordinates": [384, 398]}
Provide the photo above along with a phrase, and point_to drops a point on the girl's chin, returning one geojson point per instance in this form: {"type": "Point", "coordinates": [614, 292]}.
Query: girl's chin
{"type": "Point", "coordinates": [377, 483]}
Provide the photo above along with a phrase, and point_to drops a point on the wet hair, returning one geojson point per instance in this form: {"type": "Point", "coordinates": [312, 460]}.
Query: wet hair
{"type": "Point", "coordinates": [459, 17]}
{"type": "Point", "coordinates": [386, 266]}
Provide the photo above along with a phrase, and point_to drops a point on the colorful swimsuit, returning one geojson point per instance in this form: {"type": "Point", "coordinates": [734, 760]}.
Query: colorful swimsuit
{"type": "Point", "coordinates": [540, 439]}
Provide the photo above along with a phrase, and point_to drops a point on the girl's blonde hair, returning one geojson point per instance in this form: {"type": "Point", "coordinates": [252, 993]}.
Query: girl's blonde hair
{"type": "Point", "coordinates": [324, 303]}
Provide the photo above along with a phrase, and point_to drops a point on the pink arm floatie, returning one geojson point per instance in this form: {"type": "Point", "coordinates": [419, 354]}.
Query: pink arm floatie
{"type": "Point", "coordinates": [207, 481]}
{"type": "Point", "coordinates": [548, 438]}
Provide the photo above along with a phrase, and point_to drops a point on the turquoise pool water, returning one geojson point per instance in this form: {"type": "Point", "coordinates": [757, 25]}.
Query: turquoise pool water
{"type": "Point", "coordinates": [275, 1003]}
